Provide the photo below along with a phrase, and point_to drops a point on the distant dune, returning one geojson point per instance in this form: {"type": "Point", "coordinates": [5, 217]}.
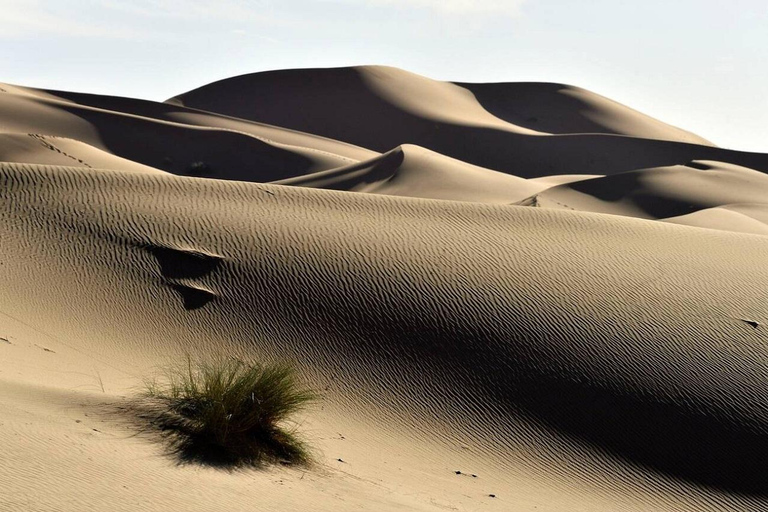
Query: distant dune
{"type": "Point", "coordinates": [510, 296]}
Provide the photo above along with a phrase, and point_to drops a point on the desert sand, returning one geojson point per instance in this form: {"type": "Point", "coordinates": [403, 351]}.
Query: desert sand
{"type": "Point", "coordinates": [514, 296]}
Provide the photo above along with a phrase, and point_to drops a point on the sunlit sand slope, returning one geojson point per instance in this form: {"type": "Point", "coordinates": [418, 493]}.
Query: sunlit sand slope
{"type": "Point", "coordinates": [582, 361]}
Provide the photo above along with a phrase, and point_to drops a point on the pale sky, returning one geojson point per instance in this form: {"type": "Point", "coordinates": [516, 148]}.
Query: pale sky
{"type": "Point", "coordinates": [701, 65]}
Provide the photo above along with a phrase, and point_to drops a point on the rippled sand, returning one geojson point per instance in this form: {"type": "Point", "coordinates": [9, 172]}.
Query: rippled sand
{"type": "Point", "coordinates": [511, 296]}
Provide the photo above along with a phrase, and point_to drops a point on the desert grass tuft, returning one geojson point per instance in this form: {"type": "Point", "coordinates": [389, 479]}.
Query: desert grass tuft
{"type": "Point", "coordinates": [229, 412]}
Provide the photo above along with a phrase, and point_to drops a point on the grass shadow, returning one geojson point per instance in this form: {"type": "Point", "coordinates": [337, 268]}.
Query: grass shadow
{"type": "Point", "coordinates": [226, 413]}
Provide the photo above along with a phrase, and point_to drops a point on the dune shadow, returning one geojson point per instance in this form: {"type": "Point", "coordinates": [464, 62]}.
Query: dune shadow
{"type": "Point", "coordinates": [176, 148]}
{"type": "Point", "coordinates": [176, 264]}
{"type": "Point", "coordinates": [697, 441]}
{"type": "Point", "coordinates": [694, 446]}
{"type": "Point", "coordinates": [193, 298]}
{"type": "Point", "coordinates": [183, 264]}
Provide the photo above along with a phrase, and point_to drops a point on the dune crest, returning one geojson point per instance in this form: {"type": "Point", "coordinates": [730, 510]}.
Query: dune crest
{"type": "Point", "coordinates": [380, 108]}
{"type": "Point", "coordinates": [412, 171]}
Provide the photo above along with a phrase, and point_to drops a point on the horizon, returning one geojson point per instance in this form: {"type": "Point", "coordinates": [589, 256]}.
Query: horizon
{"type": "Point", "coordinates": [696, 67]}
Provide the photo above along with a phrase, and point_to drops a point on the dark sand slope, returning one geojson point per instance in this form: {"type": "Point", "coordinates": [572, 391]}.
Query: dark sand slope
{"type": "Point", "coordinates": [227, 150]}
{"type": "Point", "coordinates": [528, 108]}
{"type": "Point", "coordinates": [179, 114]}
{"type": "Point", "coordinates": [563, 109]}
{"type": "Point", "coordinates": [613, 358]}
{"type": "Point", "coordinates": [380, 108]}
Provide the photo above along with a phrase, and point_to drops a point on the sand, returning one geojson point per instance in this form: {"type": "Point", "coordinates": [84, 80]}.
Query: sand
{"type": "Point", "coordinates": [572, 309]}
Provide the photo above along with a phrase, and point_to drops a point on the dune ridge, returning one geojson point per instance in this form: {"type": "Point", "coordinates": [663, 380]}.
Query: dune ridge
{"type": "Point", "coordinates": [413, 171]}
{"type": "Point", "coordinates": [379, 108]}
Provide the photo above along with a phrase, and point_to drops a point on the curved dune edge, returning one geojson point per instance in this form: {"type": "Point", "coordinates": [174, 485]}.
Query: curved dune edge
{"type": "Point", "coordinates": [725, 218]}
{"type": "Point", "coordinates": [524, 108]}
{"type": "Point", "coordinates": [530, 360]}
{"type": "Point", "coordinates": [412, 171]}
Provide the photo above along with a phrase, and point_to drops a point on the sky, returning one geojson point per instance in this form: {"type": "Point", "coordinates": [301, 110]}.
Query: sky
{"type": "Point", "coordinates": [701, 65]}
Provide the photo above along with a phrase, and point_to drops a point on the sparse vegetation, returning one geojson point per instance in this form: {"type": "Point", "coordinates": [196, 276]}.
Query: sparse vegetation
{"type": "Point", "coordinates": [230, 412]}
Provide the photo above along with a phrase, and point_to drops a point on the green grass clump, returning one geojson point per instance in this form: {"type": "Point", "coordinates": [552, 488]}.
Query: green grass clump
{"type": "Point", "coordinates": [230, 412]}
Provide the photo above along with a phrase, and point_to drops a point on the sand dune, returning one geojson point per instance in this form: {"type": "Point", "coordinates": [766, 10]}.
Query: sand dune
{"type": "Point", "coordinates": [227, 151]}
{"type": "Point", "coordinates": [471, 353]}
{"type": "Point", "coordinates": [563, 109]}
{"type": "Point", "coordinates": [179, 114]}
{"type": "Point", "coordinates": [413, 171]}
{"type": "Point", "coordinates": [30, 148]}
{"type": "Point", "coordinates": [404, 99]}
{"type": "Point", "coordinates": [726, 218]}
{"type": "Point", "coordinates": [380, 108]}
{"type": "Point", "coordinates": [662, 192]}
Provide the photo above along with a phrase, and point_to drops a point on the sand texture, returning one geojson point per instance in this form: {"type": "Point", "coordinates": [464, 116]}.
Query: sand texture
{"type": "Point", "coordinates": [511, 296]}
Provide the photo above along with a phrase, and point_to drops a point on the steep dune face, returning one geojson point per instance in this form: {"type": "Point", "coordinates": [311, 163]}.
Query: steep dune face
{"type": "Point", "coordinates": [179, 114]}
{"type": "Point", "coordinates": [372, 100]}
{"type": "Point", "coordinates": [412, 247]}
{"type": "Point", "coordinates": [398, 96]}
